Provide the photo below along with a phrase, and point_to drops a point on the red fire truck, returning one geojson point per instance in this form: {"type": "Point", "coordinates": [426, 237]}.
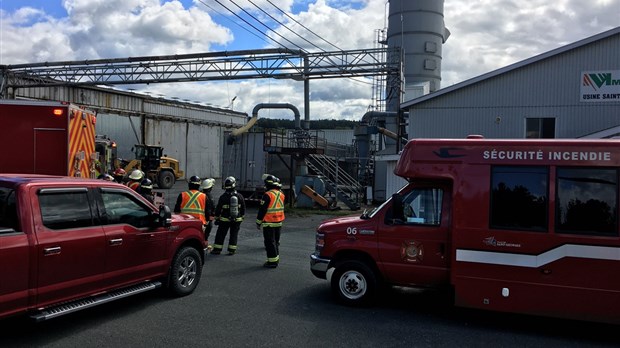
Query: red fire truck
{"type": "Point", "coordinates": [524, 226]}
{"type": "Point", "coordinates": [47, 138]}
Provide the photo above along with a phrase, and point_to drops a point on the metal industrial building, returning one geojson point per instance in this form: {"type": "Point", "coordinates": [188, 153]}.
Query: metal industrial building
{"type": "Point", "coordinates": [569, 92]}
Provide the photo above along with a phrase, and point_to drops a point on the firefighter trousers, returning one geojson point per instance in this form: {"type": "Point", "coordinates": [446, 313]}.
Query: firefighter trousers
{"type": "Point", "coordinates": [271, 237]}
{"type": "Point", "coordinates": [208, 228]}
{"type": "Point", "coordinates": [222, 231]}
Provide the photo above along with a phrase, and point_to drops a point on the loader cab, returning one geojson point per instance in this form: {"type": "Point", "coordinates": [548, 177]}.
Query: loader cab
{"type": "Point", "coordinates": [149, 156]}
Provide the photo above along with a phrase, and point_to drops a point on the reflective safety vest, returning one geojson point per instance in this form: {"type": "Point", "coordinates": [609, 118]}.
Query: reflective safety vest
{"type": "Point", "coordinates": [133, 185]}
{"type": "Point", "coordinates": [193, 203]}
{"type": "Point", "coordinates": [275, 211]}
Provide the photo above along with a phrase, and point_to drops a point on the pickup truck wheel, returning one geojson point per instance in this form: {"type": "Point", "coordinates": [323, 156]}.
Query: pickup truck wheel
{"type": "Point", "coordinates": [185, 272]}
{"type": "Point", "coordinates": [354, 283]}
{"type": "Point", "coordinates": [166, 179]}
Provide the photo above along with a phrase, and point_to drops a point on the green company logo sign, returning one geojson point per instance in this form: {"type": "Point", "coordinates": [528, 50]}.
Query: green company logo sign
{"type": "Point", "coordinates": [600, 86]}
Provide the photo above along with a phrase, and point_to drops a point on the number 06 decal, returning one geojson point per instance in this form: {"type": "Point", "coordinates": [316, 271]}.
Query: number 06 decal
{"type": "Point", "coordinates": [352, 230]}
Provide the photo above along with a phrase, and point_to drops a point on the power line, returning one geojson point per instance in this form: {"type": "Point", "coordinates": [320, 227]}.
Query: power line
{"type": "Point", "coordinates": [294, 20]}
{"type": "Point", "coordinates": [239, 25]}
{"type": "Point", "coordinates": [283, 25]}
{"type": "Point", "coordinates": [248, 23]}
{"type": "Point", "coordinates": [263, 24]}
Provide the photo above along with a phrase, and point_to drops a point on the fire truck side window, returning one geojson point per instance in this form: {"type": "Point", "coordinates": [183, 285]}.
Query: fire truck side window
{"type": "Point", "coordinates": [587, 201]}
{"type": "Point", "coordinates": [519, 198]}
{"type": "Point", "coordinates": [421, 206]}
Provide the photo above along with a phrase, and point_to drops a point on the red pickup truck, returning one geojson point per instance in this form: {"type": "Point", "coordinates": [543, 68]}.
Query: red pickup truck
{"type": "Point", "coordinates": [68, 244]}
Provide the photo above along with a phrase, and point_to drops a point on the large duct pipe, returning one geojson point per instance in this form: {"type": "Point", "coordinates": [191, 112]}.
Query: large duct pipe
{"type": "Point", "coordinates": [254, 118]}
{"type": "Point", "coordinates": [417, 27]}
{"type": "Point", "coordinates": [367, 127]}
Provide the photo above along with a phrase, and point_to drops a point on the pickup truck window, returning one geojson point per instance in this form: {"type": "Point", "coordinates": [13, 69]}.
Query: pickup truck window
{"type": "Point", "coordinates": [8, 211]}
{"type": "Point", "coordinates": [65, 209]}
{"type": "Point", "coordinates": [122, 208]}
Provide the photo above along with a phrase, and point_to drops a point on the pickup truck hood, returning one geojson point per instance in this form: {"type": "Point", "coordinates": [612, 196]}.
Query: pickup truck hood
{"type": "Point", "coordinates": [185, 219]}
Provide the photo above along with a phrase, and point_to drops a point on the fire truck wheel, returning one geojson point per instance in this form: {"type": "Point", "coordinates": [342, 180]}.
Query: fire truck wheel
{"type": "Point", "coordinates": [354, 283]}
{"type": "Point", "coordinates": [165, 180]}
{"type": "Point", "coordinates": [185, 272]}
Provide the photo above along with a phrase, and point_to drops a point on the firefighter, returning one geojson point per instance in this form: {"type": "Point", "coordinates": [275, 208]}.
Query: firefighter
{"type": "Point", "coordinates": [146, 190]}
{"type": "Point", "coordinates": [270, 217]}
{"type": "Point", "coordinates": [119, 175]}
{"type": "Point", "coordinates": [135, 178]}
{"type": "Point", "coordinates": [192, 201]}
{"type": "Point", "coordinates": [206, 187]}
{"type": "Point", "coordinates": [229, 214]}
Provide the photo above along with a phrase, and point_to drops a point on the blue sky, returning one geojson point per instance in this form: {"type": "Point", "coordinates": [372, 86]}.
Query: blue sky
{"type": "Point", "coordinates": [485, 35]}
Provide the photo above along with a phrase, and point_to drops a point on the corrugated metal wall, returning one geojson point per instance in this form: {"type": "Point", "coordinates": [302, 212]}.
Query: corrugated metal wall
{"type": "Point", "coordinates": [121, 130]}
{"type": "Point", "coordinates": [338, 136]}
{"type": "Point", "coordinates": [386, 182]}
{"type": "Point", "coordinates": [498, 106]}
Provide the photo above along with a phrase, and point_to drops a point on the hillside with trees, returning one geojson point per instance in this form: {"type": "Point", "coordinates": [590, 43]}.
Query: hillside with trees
{"type": "Point", "coordinates": [314, 124]}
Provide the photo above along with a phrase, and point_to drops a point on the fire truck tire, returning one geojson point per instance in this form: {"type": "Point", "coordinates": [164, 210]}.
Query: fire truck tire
{"type": "Point", "coordinates": [354, 283]}
{"type": "Point", "coordinates": [185, 272]}
{"type": "Point", "coordinates": [165, 180]}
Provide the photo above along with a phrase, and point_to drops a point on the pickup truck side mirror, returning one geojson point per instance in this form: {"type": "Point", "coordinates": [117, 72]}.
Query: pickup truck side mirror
{"type": "Point", "coordinates": [165, 216]}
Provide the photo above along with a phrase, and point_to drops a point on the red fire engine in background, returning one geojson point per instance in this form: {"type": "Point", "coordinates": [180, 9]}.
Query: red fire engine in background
{"type": "Point", "coordinates": [55, 138]}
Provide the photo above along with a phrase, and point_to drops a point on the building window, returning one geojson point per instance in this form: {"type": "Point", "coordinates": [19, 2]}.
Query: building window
{"type": "Point", "coordinates": [586, 201]}
{"type": "Point", "coordinates": [519, 198]}
{"type": "Point", "coordinates": [540, 128]}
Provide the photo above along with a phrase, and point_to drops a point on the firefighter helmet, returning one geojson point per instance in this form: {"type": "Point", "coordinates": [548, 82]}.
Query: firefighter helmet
{"type": "Point", "coordinates": [230, 182]}
{"type": "Point", "coordinates": [136, 175]}
{"type": "Point", "coordinates": [270, 180]}
{"type": "Point", "coordinates": [120, 172]}
{"type": "Point", "coordinates": [146, 184]}
{"type": "Point", "coordinates": [207, 184]}
{"type": "Point", "coordinates": [194, 183]}
{"type": "Point", "coordinates": [194, 180]}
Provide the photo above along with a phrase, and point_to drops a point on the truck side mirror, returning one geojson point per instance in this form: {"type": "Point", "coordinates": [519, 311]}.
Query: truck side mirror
{"type": "Point", "coordinates": [165, 216]}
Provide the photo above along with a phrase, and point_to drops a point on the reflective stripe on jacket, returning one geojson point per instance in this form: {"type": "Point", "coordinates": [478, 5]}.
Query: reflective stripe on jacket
{"type": "Point", "coordinates": [275, 211]}
{"type": "Point", "coordinates": [133, 185]}
{"type": "Point", "coordinates": [193, 203]}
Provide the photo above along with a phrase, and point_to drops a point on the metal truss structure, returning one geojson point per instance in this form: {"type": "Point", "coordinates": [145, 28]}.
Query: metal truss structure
{"type": "Point", "coordinates": [213, 66]}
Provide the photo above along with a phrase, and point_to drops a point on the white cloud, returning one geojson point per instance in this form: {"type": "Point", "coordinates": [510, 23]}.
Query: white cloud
{"type": "Point", "coordinates": [485, 35]}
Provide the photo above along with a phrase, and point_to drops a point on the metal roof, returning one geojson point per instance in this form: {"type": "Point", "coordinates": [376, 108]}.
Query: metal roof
{"type": "Point", "coordinates": [532, 60]}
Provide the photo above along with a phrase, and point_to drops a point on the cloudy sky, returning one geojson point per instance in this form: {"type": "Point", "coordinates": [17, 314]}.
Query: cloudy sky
{"type": "Point", "coordinates": [485, 35]}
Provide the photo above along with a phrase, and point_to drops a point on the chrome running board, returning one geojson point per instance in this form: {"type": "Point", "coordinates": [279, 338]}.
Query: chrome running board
{"type": "Point", "coordinates": [74, 306]}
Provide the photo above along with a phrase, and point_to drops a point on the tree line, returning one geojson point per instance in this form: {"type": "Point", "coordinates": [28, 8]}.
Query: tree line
{"type": "Point", "coordinates": [314, 124]}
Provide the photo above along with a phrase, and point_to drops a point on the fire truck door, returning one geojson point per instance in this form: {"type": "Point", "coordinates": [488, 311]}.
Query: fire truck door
{"type": "Point", "coordinates": [414, 237]}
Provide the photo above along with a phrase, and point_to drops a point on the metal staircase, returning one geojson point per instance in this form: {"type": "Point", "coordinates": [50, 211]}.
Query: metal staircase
{"type": "Point", "coordinates": [318, 156]}
{"type": "Point", "coordinates": [346, 188]}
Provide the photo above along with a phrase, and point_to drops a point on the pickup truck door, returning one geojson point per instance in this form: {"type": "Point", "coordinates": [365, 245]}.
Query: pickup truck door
{"type": "Point", "coordinates": [70, 245]}
{"type": "Point", "coordinates": [14, 257]}
{"type": "Point", "coordinates": [134, 249]}
{"type": "Point", "coordinates": [414, 236]}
